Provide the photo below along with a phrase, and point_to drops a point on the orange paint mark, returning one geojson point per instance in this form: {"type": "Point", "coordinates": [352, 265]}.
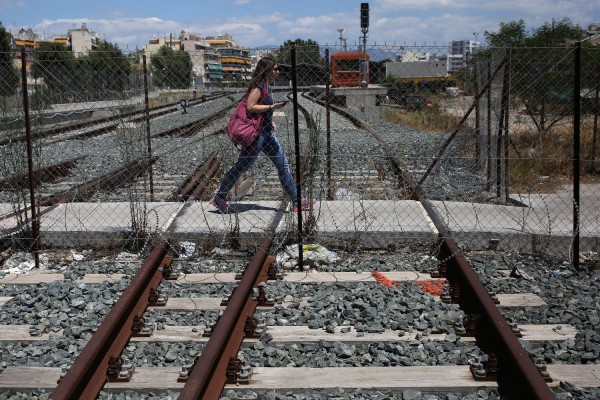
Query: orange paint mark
{"type": "Point", "coordinates": [379, 277]}
{"type": "Point", "coordinates": [435, 287]}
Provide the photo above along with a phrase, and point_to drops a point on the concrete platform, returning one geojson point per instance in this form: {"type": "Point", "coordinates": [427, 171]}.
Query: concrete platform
{"type": "Point", "coordinates": [542, 224]}
{"type": "Point", "coordinates": [546, 224]}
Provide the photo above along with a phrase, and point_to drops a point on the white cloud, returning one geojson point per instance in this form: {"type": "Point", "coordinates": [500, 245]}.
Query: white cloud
{"type": "Point", "coordinates": [11, 4]}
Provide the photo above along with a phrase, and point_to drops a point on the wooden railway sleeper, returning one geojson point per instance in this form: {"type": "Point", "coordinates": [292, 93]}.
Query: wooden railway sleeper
{"type": "Point", "coordinates": [118, 371]}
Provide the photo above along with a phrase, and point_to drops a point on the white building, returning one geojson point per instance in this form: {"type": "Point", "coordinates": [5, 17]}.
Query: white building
{"type": "Point", "coordinates": [82, 40]}
{"type": "Point", "coordinates": [454, 62]}
{"type": "Point", "coordinates": [416, 69]}
{"type": "Point", "coordinates": [466, 48]}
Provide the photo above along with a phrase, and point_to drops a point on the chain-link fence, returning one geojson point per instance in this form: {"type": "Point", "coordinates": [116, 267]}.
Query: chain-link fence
{"type": "Point", "coordinates": [115, 151]}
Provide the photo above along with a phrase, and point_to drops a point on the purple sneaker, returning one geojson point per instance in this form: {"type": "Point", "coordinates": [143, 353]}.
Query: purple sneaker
{"type": "Point", "coordinates": [220, 204]}
{"type": "Point", "coordinates": [304, 204]}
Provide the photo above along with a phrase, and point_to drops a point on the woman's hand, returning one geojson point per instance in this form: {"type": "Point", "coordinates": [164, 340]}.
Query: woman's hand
{"type": "Point", "coordinates": [279, 104]}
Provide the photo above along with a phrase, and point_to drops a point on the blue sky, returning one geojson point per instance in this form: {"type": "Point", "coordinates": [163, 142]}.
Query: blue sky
{"type": "Point", "coordinates": [255, 23]}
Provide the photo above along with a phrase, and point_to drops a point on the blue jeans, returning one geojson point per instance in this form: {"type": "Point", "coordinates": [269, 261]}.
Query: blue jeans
{"type": "Point", "coordinates": [267, 142]}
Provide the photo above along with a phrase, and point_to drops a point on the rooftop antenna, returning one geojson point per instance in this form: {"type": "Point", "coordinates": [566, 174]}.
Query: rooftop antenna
{"type": "Point", "coordinates": [343, 40]}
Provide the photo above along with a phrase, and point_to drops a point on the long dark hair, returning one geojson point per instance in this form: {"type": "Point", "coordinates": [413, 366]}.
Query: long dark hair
{"type": "Point", "coordinates": [261, 72]}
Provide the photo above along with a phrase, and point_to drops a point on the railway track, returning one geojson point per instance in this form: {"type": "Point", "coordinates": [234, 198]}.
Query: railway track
{"type": "Point", "coordinates": [332, 332]}
{"type": "Point", "coordinates": [297, 297]}
{"type": "Point", "coordinates": [100, 126]}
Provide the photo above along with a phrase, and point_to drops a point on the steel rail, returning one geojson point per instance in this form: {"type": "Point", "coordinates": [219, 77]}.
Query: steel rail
{"type": "Point", "coordinates": [183, 192]}
{"type": "Point", "coordinates": [518, 377]}
{"type": "Point", "coordinates": [88, 374]}
{"type": "Point", "coordinates": [200, 192]}
{"type": "Point", "coordinates": [48, 173]}
{"type": "Point", "coordinates": [192, 127]}
{"type": "Point", "coordinates": [207, 377]}
{"type": "Point", "coordinates": [157, 111]}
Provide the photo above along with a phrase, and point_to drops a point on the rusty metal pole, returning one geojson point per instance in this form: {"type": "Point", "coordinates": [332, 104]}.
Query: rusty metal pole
{"type": "Point", "coordinates": [488, 151]}
{"type": "Point", "coordinates": [35, 226]}
{"type": "Point", "coordinates": [297, 149]}
{"type": "Point", "coordinates": [477, 121]}
{"type": "Point", "coordinates": [328, 124]}
{"type": "Point", "coordinates": [506, 128]}
{"type": "Point", "coordinates": [576, 153]}
{"type": "Point", "coordinates": [148, 138]}
{"type": "Point", "coordinates": [501, 138]}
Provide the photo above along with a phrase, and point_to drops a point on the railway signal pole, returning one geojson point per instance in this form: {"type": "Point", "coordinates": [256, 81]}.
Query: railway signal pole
{"type": "Point", "coordinates": [364, 26]}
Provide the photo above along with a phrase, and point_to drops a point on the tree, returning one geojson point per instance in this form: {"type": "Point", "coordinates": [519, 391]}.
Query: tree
{"type": "Point", "coordinates": [109, 71]}
{"type": "Point", "coordinates": [54, 63]}
{"type": "Point", "coordinates": [510, 34]}
{"type": "Point", "coordinates": [9, 77]}
{"type": "Point", "coordinates": [541, 67]}
{"type": "Point", "coordinates": [171, 69]}
{"type": "Point", "coordinates": [307, 51]}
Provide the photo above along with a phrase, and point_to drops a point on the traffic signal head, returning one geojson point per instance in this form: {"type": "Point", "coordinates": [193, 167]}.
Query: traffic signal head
{"type": "Point", "coordinates": [364, 15]}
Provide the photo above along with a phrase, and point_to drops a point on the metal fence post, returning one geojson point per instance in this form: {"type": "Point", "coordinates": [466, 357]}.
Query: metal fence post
{"type": "Point", "coordinates": [328, 123]}
{"type": "Point", "coordinates": [298, 200]}
{"type": "Point", "coordinates": [149, 139]}
{"type": "Point", "coordinates": [576, 151]}
{"type": "Point", "coordinates": [35, 227]}
{"type": "Point", "coordinates": [507, 77]}
{"type": "Point", "coordinates": [488, 150]}
{"type": "Point", "coordinates": [477, 121]}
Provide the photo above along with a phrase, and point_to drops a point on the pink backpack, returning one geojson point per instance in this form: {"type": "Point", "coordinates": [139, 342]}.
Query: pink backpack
{"type": "Point", "coordinates": [243, 130]}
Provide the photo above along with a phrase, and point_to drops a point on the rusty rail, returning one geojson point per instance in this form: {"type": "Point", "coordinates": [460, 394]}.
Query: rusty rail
{"type": "Point", "coordinates": [90, 371]}
{"type": "Point", "coordinates": [50, 173]}
{"type": "Point", "coordinates": [156, 112]}
{"type": "Point", "coordinates": [517, 375]}
{"type": "Point", "coordinates": [194, 126]}
{"type": "Point", "coordinates": [194, 188]}
{"type": "Point", "coordinates": [208, 376]}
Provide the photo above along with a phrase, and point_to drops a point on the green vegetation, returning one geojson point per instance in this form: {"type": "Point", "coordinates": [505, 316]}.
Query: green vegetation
{"type": "Point", "coordinates": [171, 68]}
{"type": "Point", "coordinates": [102, 74]}
{"type": "Point", "coordinates": [308, 52]}
{"type": "Point", "coordinates": [9, 77]}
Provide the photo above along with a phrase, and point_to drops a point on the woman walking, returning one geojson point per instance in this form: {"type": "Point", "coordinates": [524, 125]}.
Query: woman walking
{"type": "Point", "coordinates": [267, 142]}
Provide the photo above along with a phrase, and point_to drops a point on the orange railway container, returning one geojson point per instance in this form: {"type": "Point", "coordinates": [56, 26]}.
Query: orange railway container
{"type": "Point", "coordinates": [345, 68]}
